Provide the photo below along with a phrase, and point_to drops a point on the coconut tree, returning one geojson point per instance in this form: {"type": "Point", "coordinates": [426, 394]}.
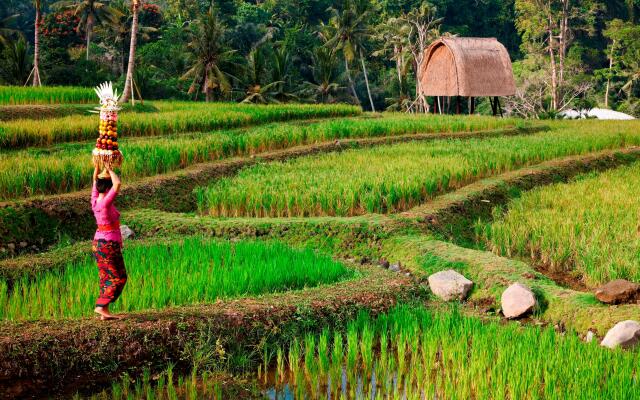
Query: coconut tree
{"type": "Point", "coordinates": [255, 76]}
{"type": "Point", "coordinates": [91, 13]}
{"type": "Point", "coordinates": [36, 43]}
{"type": "Point", "coordinates": [128, 83]}
{"type": "Point", "coordinates": [350, 31]}
{"type": "Point", "coordinates": [325, 86]}
{"type": "Point", "coordinates": [6, 30]}
{"type": "Point", "coordinates": [18, 66]}
{"type": "Point", "coordinates": [211, 59]}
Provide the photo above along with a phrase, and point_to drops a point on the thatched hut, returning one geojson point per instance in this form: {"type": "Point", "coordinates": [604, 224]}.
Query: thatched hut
{"type": "Point", "coordinates": [467, 67]}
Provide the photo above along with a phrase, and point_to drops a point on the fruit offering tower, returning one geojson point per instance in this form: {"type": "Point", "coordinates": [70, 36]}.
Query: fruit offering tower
{"type": "Point", "coordinates": [107, 152]}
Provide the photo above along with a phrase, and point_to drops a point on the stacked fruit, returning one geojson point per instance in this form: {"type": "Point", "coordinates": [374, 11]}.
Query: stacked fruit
{"type": "Point", "coordinates": [108, 139]}
{"type": "Point", "coordinates": [106, 153]}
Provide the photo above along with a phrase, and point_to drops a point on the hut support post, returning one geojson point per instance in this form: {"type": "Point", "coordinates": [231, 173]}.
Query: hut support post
{"type": "Point", "coordinates": [496, 101]}
{"type": "Point", "coordinates": [457, 104]}
{"type": "Point", "coordinates": [494, 111]}
{"type": "Point", "coordinates": [472, 105]}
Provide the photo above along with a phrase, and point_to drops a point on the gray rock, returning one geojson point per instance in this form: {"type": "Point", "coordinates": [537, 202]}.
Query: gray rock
{"type": "Point", "coordinates": [23, 244]}
{"type": "Point", "coordinates": [625, 334]}
{"type": "Point", "coordinates": [394, 268]}
{"type": "Point", "coordinates": [517, 301]}
{"type": "Point", "coordinates": [11, 246]}
{"type": "Point", "coordinates": [127, 233]}
{"type": "Point", "coordinates": [450, 285]}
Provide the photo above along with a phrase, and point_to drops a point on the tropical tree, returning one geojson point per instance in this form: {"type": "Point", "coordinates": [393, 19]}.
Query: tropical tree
{"type": "Point", "coordinates": [16, 53]}
{"type": "Point", "coordinates": [325, 86]}
{"type": "Point", "coordinates": [349, 25]}
{"type": "Point", "coordinates": [91, 13]}
{"type": "Point", "coordinates": [128, 83]}
{"type": "Point", "coordinates": [280, 66]}
{"type": "Point", "coordinates": [259, 90]}
{"type": "Point", "coordinates": [211, 59]}
{"type": "Point", "coordinates": [6, 29]}
{"type": "Point", "coordinates": [36, 43]}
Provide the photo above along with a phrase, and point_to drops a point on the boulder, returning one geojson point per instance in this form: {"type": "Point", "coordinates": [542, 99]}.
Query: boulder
{"type": "Point", "coordinates": [450, 285]}
{"type": "Point", "coordinates": [618, 292]}
{"type": "Point", "coordinates": [625, 334]}
{"type": "Point", "coordinates": [517, 301]}
{"type": "Point", "coordinates": [126, 232]}
{"type": "Point", "coordinates": [394, 268]}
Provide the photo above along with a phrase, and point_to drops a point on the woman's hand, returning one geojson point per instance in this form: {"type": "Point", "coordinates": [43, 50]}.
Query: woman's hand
{"type": "Point", "coordinates": [114, 179]}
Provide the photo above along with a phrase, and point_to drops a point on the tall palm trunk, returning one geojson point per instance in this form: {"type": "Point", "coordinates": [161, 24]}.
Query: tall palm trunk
{"type": "Point", "coordinates": [128, 84]}
{"type": "Point", "coordinates": [36, 47]}
{"type": "Point", "coordinates": [351, 85]}
{"type": "Point", "coordinates": [366, 81]}
{"type": "Point", "coordinates": [89, 31]}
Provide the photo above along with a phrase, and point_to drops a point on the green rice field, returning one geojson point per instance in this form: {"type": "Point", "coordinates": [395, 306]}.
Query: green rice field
{"type": "Point", "coordinates": [395, 177]}
{"type": "Point", "coordinates": [172, 117]}
{"type": "Point", "coordinates": [588, 228]}
{"type": "Point", "coordinates": [191, 271]}
{"type": "Point", "coordinates": [65, 168]}
{"type": "Point", "coordinates": [415, 353]}
{"type": "Point", "coordinates": [17, 95]}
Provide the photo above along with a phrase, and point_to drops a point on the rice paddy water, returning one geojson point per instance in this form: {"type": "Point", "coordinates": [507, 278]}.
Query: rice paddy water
{"type": "Point", "coordinates": [414, 353]}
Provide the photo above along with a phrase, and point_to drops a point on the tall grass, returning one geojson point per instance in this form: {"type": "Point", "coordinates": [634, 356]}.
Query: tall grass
{"type": "Point", "coordinates": [13, 95]}
{"type": "Point", "coordinates": [588, 227]}
{"type": "Point", "coordinates": [191, 271]}
{"type": "Point", "coordinates": [172, 118]}
{"type": "Point", "coordinates": [396, 177]}
{"type": "Point", "coordinates": [413, 353]}
{"type": "Point", "coordinates": [67, 167]}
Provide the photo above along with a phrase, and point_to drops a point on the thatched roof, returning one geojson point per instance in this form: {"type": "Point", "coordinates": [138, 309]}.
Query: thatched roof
{"type": "Point", "coordinates": [460, 66]}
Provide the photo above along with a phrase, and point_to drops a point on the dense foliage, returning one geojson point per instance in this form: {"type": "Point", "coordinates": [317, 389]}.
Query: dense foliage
{"type": "Point", "coordinates": [566, 53]}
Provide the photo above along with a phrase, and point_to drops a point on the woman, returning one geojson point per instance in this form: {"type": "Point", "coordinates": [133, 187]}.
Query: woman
{"type": "Point", "coordinates": [107, 242]}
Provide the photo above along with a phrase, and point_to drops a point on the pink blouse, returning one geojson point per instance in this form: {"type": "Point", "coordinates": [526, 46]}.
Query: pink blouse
{"type": "Point", "coordinates": [106, 214]}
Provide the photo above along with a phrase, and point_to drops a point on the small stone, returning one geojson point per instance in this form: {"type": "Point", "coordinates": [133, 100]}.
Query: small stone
{"type": "Point", "coordinates": [127, 233]}
{"type": "Point", "coordinates": [23, 244]}
{"type": "Point", "coordinates": [450, 285]}
{"type": "Point", "coordinates": [3, 249]}
{"type": "Point", "coordinates": [618, 292]}
{"type": "Point", "coordinates": [589, 336]}
{"type": "Point", "coordinates": [11, 246]}
{"type": "Point", "coordinates": [408, 274]}
{"type": "Point", "coordinates": [394, 268]}
{"type": "Point", "coordinates": [517, 301]}
{"type": "Point", "coordinates": [625, 334]}
{"type": "Point", "coordinates": [384, 263]}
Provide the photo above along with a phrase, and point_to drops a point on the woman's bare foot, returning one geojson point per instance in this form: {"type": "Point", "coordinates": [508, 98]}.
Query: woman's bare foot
{"type": "Point", "coordinates": [104, 313]}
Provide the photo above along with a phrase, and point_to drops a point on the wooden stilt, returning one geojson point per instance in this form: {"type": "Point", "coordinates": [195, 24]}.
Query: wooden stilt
{"type": "Point", "coordinates": [472, 110]}
{"type": "Point", "coordinates": [457, 104]}
{"type": "Point", "coordinates": [498, 106]}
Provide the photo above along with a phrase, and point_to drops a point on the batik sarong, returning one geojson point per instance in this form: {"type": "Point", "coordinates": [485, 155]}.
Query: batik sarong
{"type": "Point", "coordinates": [113, 275]}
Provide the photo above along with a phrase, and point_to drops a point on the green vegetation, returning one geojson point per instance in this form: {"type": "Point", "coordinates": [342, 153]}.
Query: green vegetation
{"type": "Point", "coordinates": [397, 177]}
{"type": "Point", "coordinates": [174, 117]}
{"type": "Point", "coordinates": [191, 271]}
{"type": "Point", "coordinates": [18, 95]}
{"type": "Point", "coordinates": [413, 353]}
{"type": "Point", "coordinates": [588, 228]}
{"type": "Point", "coordinates": [65, 168]}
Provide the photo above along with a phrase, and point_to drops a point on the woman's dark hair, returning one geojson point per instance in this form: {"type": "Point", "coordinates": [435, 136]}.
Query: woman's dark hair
{"type": "Point", "coordinates": [103, 185]}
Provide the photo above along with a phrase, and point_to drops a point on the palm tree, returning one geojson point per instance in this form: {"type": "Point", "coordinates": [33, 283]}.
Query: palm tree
{"type": "Point", "coordinates": [211, 58]}
{"type": "Point", "coordinates": [257, 91]}
{"type": "Point", "coordinates": [128, 83]}
{"type": "Point", "coordinates": [6, 31]}
{"type": "Point", "coordinates": [280, 65]}
{"type": "Point", "coordinates": [17, 52]}
{"type": "Point", "coordinates": [36, 43]}
{"type": "Point", "coordinates": [325, 87]}
{"type": "Point", "coordinates": [92, 13]}
{"type": "Point", "coordinates": [350, 32]}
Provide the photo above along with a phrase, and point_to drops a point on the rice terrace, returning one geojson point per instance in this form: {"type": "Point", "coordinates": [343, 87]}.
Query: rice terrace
{"type": "Point", "coordinates": [319, 199]}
